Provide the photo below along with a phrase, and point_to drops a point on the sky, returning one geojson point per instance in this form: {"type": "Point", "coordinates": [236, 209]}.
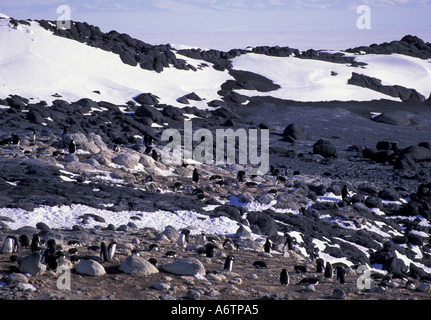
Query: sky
{"type": "Point", "coordinates": [228, 24]}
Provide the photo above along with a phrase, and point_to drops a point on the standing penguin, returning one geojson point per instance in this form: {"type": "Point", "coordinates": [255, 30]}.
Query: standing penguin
{"type": "Point", "coordinates": [344, 192]}
{"type": "Point", "coordinates": [241, 176]}
{"type": "Point", "coordinates": [24, 240]}
{"type": "Point", "coordinates": [183, 238]}
{"type": "Point", "coordinates": [154, 155]}
{"type": "Point", "coordinates": [328, 270]}
{"type": "Point", "coordinates": [35, 243]}
{"type": "Point", "coordinates": [15, 139]}
{"type": "Point", "coordinates": [209, 250]}
{"type": "Point", "coordinates": [202, 239]}
{"type": "Point", "coordinates": [10, 245]}
{"type": "Point", "coordinates": [288, 242]}
{"type": "Point", "coordinates": [111, 250]}
{"type": "Point", "coordinates": [340, 273]}
{"type": "Point", "coordinates": [72, 147]}
{"type": "Point", "coordinates": [195, 176]}
{"type": "Point", "coordinates": [319, 265]}
{"type": "Point", "coordinates": [284, 277]}
{"type": "Point", "coordinates": [228, 264]}
{"type": "Point", "coordinates": [104, 252]}
{"type": "Point", "coordinates": [268, 245]}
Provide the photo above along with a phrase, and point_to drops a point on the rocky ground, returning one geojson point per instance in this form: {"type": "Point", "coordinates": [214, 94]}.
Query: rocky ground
{"type": "Point", "coordinates": [379, 150]}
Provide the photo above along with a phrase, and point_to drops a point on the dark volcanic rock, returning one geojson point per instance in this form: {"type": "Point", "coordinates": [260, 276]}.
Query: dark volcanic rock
{"type": "Point", "coordinates": [295, 132]}
{"type": "Point", "coordinates": [325, 148]}
{"type": "Point", "coordinates": [393, 118]}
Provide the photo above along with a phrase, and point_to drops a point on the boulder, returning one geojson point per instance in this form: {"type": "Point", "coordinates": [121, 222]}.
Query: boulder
{"type": "Point", "coordinates": [150, 112]}
{"type": "Point", "coordinates": [31, 264]}
{"type": "Point", "coordinates": [393, 118]}
{"type": "Point", "coordinates": [296, 132]}
{"type": "Point", "coordinates": [129, 160]}
{"type": "Point", "coordinates": [184, 267]}
{"type": "Point", "coordinates": [137, 265]}
{"type": "Point", "coordinates": [325, 148]}
{"type": "Point", "coordinates": [90, 268]}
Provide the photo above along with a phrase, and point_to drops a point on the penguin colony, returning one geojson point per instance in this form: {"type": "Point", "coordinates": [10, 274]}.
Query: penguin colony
{"type": "Point", "coordinates": [52, 253]}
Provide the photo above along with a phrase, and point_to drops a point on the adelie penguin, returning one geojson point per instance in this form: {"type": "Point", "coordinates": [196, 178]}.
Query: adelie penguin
{"type": "Point", "coordinates": [183, 238]}
{"type": "Point", "coordinates": [328, 270]}
{"type": "Point", "coordinates": [72, 147]}
{"type": "Point", "coordinates": [111, 250]}
{"type": "Point", "coordinates": [35, 243]}
{"type": "Point", "coordinates": [10, 245]}
{"type": "Point", "coordinates": [320, 265]}
{"type": "Point", "coordinates": [104, 252]}
{"type": "Point", "coordinates": [24, 240]}
{"type": "Point", "coordinates": [15, 139]}
{"type": "Point", "coordinates": [284, 277]}
{"type": "Point", "coordinates": [195, 176]}
{"type": "Point", "coordinates": [228, 264]}
{"type": "Point", "coordinates": [268, 245]}
{"type": "Point", "coordinates": [241, 176]}
{"type": "Point", "coordinates": [340, 273]}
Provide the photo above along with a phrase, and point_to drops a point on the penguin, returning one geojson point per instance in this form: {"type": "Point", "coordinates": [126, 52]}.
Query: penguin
{"type": "Point", "coordinates": [300, 269]}
{"type": "Point", "coordinates": [33, 135]}
{"type": "Point", "coordinates": [135, 252]}
{"type": "Point", "coordinates": [15, 139]}
{"type": "Point", "coordinates": [24, 241]}
{"type": "Point", "coordinates": [228, 264]}
{"type": "Point", "coordinates": [155, 155]}
{"type": "Point", "coordinates": [320, 265]}
{"type": "Point", "coordinates": [35, 243]}
{"type": "Point", "coordinates": [202, 239]}
{"type": "Point", "coordinates": [72, 147]}
{"type": "Point", "coordinates": [195, 176]}
{"type": "Point", "coordinates": [72, 251]}
{"type": "Point", "coordinates": [340, 273]}
{"type": "Point", "coordinates": [275, 179]}
{"type": "Point", "coordinates": [14, 259]}
{"type": "Point", "coordinates": [229, 244]}
{"type": "Point", "coordinates": [328, 270]}
{"type": "Point", "coordinates": [111, 250]}
{"type": "Point", "coordinates": [241, 176]}
{"type": "Point", "coordinates": [288, 242]}
{"type": "Point", "coordinates": [259, 265]}
{"type": "Point", "coordinates": [311, 280]}
{"type": "Point", "coordinates": [153, 261]}
{"type": "Point", "coordinates": [268, 245]}
{"type": "Point", "coordinates": [209, 250]}
{"type": "Point", "coordinates": [344, 192]}
{"type": "Point", "coordinates": [153, 247]}
{"type": "Point", "coordinates": [170, 254]}
{"type": "Point", "coordinates": [51, 261]}
{"type": "Point", "coordinates": [104, 252]}
{"type": "Point", "coordinates": [116, 148]}
{"type": "Point", "coordinates": [183, 238]}
{"type": "Point", "coordinates": [284, 277]}
{"type": "Point", "coordinates": [10, 245]}
{"type": "Point", "coordinates": [74, 243]}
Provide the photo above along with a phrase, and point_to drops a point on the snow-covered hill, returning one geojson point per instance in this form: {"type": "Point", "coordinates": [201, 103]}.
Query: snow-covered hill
{"type": "Point", "coordinates": [38, 65]}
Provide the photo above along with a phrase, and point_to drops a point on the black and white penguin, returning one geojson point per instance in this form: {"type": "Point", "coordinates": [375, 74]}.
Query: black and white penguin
{"type": "Point", "coordinates": [310, 280]}
{"type": "Point", "coordinates": [153, 261]}
{"type": "Point", "coordinates": [259, 265]}
{"type": "Point", "coordinates": [72, 147]}
{"type": "Point", "coordinates": [51, 261]}
{"type": "Point", "coordinates": [170, 254]}
{"type": "Point", "coordinates": [268, 245]}
{"type": "Point", "coordinates": [344, 192]}
{"type": "Point", "coordinates": [300, 269]}
{"type": "Point", "coordinates": [340, 273]}
{"type": "Point", "coordinates": [195, 176]}
{"type": "Point", "coordinates": [183, 238]}
{"type": "Point", "coordinates": [10, 245]}
{"type": "Point", "coordinates": [104, 252]}
{"type": "Point", "coordinates": [209, 250]}
{"type": "Point", "coordinates": [24, 240]}
{"type": "Point", "coordinates": [153, 247]}
{"type": "Point", "coordinates": [15, 139]}
{"type": "Point", "coordinates": [35, 243]}
{"type": "Point", "coordinates": [229, 244]}
{"type": "Point", "coordinates": [135, 252]}
{"type": "Point", "coordinates": [320, 265]}
{"type": "Point", "coordinates": [284, 277]}
{"type": "Point", "coordinates": [241, 176]}
{"type": "Point", "coordinates": [155, 155]}
{"type": "Point", "coordinates": [33, 135]}
{"type": "Point", "coordinates": [116, 148]}
{"type": "Point", "coordinates": [288, 242]}
{"type": "Point", "coordinates": [111, 250]}
{"type": "Point", "coordinates": [202, 239]}
{"type": "Point", "coordinates": [228, 264]}
{"type": "Point", "coordinates": [328, 270]}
